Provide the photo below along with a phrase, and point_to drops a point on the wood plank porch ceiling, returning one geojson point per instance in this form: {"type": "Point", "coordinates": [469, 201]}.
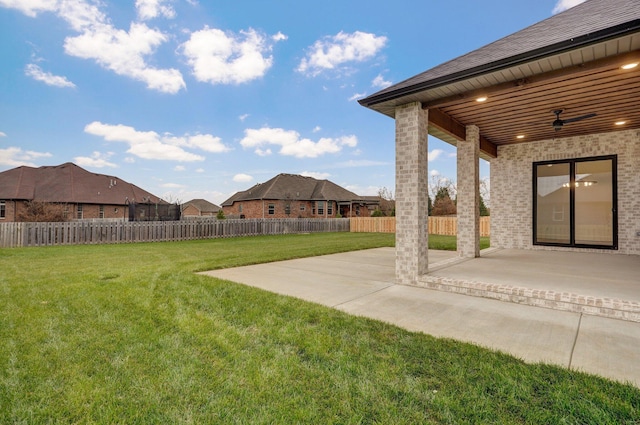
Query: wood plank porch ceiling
{"type": "Point", "coordinates": [525, 106]}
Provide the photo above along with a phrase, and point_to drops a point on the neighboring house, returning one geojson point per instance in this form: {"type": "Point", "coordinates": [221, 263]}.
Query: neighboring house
{"type": "Point", "coordinates": [74, 193]}
{"type": "Point", "coordinates": [554, 109]}
{"type": "Point", "coordinates": [199, 208]}
{"type": "Point", "coordinates": [295, 196]}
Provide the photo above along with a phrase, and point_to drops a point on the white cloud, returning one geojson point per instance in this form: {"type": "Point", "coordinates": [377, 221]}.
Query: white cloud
{"type": "Point", "coordinates": [357, 96]}
{"type": "Point", "coordinates": [434, 172]}
{"type": "Point", "coordinates": [206, 142]}
{"type": "Point", "coordinates": [143, 144]}
{"type": "Point", "coordinates": [242, 178]}
{"type": "Point", "coordinates": [363, 191]}
{"type": "Point", "coordinates": [243, 117]}
{"type": "Point", "coordinates": [279, 37]}
{"type": "Point", "coordinates": [124, 53]}
{"type": "Point", "coordinates": [3, 134]}
{"type": "Point", "coordinates": [263, 152]}
{"type": "Point", "coordinates": [34, 71]}
{"type": "Point", "coordinates": [199, 170]}
{"type": "Point", "coordinates": [96, 160]}
{"type": "Point", "coordinates": [331, 53]}
{"type": "Point", "coordinates": [226, 58]}
{"type": "Point", "coordinates": [16, 157]}
{"type": "Point", "coordinates": [380, 82]}
{"type": "Point", "coordinates": [179, 168]}
{"type": "Point", "coordinates": [316, 129]}
{"type": "Point", "coordinates": [149, 9]}
{"type": "Point", "coordinates": [30, 7]}
{"type": "Point", "coordinates": [563, 5]}
{"type": "Point", "coordinates": [173, 185]}
{"type": "Point", "coordinates": [292, 145]}
{"type": "Point", "coordinates": [435, 154]}
{"type": "Point", "coordinates": [315, 175]}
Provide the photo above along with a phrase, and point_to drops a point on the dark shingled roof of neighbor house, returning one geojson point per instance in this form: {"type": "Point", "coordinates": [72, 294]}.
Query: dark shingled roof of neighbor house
{"type": "Point", "coordinates": [293, 186]}
{"type": "Point", "coordinates": [69, 183]}
{"type": "Point", "coordinates": [203, 205]}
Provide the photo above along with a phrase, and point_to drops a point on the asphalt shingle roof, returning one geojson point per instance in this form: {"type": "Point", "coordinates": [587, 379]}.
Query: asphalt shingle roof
{"type": "Point", "coordinates": [293, 186]}
{"type": "Point", "coordinates": [584, 23]}
{"type": "Point", "coordinates": [69, 183]}
{"type": "Point", "coordinates": [203, 205]}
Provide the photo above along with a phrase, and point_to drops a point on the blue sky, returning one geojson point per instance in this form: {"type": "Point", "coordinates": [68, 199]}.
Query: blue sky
{"type": "Point", "coordinates": [200, 99]}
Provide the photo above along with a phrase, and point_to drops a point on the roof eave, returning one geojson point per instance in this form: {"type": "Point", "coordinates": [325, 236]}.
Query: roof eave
{"type": "Point", "coordinates": [512, 61]}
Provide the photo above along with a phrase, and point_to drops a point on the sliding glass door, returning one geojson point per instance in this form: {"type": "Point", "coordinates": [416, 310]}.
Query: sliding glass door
{"type": "Point", "coordinates": [575, 202]}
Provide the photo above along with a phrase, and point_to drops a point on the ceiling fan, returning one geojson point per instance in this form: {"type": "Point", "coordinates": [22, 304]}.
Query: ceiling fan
{"type": "Point", "coordinates": [558, 123]}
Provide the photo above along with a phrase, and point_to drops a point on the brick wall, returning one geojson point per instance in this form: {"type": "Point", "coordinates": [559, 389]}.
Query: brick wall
{"type": "Point", "coordinates": [92, 211]}
{"type": "Point", "coordinates": [512, 186]}
{"type": "Point", "coordinates": [9, 211]}
{"type": "Point", "coordinates": [13, 209]}
{"type": "Point", "coordinates": [260, 209]}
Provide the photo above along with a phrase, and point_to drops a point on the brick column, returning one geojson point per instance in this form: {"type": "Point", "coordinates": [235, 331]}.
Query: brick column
{"type": "Point", "coordinates": [468, 194]}
{"type": "Point", "coordinates": [412, 238]}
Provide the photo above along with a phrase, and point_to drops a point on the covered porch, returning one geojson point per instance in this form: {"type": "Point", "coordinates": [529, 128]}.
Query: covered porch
{"type": "Point", "coordinates": [552, 108]}
{"type": "Point", "coordinates": [582, 282]}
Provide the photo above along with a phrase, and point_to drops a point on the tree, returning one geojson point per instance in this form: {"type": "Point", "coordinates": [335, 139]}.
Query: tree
{"type": "Point", "coordinates": [38, 211]}
{"type": "Point", "coordinates": [443, 204]}
{"type": "Point", "coordinates": [387, 202]}
{"type": "Point", "coordinates": [485, 193]}
{"type": "Point", "coordinates": [484, 211]}
{"type": "Point", "coordinates": [220, 215]}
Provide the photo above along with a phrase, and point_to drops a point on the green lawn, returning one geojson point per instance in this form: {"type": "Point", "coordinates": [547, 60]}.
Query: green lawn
{"type": "Point", "coordinates": [448, 243]}
{"type": "Point", "coordinates": [130, 334]}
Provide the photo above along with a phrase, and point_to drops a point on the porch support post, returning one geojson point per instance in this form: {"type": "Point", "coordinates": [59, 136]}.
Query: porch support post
{"type": "Point", "coordinates": [468, 193]}
{"type": "Point", "coordinates": [412, 238]}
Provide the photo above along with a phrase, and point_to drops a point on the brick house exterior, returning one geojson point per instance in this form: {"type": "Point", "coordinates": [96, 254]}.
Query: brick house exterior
{"type": "Point", "coordinates": [295, 196]}
{"type": "Point", "coordinates": [70, 190]}
{"type": "Point", "coordinates": [199, 208]}
{"type": "Point", "coordinates": [554, 110]}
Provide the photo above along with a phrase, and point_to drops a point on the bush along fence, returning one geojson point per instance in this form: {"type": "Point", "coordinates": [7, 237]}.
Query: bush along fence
{"type": "Point", "coordinates": [103, 232]}
{"type": "Point", "coordinates": [437, 225]}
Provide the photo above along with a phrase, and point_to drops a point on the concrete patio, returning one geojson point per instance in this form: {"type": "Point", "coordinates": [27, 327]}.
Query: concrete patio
{"type": "Point", "coordinates": [578, 291]}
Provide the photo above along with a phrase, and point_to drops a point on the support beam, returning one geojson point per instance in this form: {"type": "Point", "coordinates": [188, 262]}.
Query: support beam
{"type": "Point", "coordinates": [412, 238]}
{"type": "Point", "coordinates": [453, 128]}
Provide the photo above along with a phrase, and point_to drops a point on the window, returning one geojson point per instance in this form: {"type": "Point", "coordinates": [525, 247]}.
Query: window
{"type": "Point", "coordinates": [287, 209]}
{"type": "Point", "coordinates": [575, 202]}
{"type": "Point", "coordinates": [302, 207]}
{"type": "Point", "coordinates": [329, 208]}
{"type": "Point", "coordinates": [239, 208]}
{"type": "Point", "coordinates": [272, 209]}
{"type": "Point", "coordinates": [79, 214]}
{"type": "Point", "coordinates": [320, 207]}
{"type": "Point", "coordinates": [3, 209]}
{"type": "Point", "coordinates": [101, 211]}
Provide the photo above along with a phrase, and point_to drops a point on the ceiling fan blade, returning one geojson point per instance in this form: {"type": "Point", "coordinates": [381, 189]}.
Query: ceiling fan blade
{"type": "Point", "coordinates": [580, 118]}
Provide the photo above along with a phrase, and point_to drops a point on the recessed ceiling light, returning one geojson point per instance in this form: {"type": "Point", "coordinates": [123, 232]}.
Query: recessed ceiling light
{"type": "Point", "coordinates": [520, 136]}
{"type": "Point", "coordinates": [481, 99]}
{"type": "Point", "coordinates": [621, 122]}
{"type": "Point", "coordinates": [629, 65]}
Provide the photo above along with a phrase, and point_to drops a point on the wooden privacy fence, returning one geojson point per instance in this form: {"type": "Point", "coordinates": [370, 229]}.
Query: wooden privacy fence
{"type": "Point", "coordinates": [437, 225]}
{"type": "Point", "coordinates": [102, 232]}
